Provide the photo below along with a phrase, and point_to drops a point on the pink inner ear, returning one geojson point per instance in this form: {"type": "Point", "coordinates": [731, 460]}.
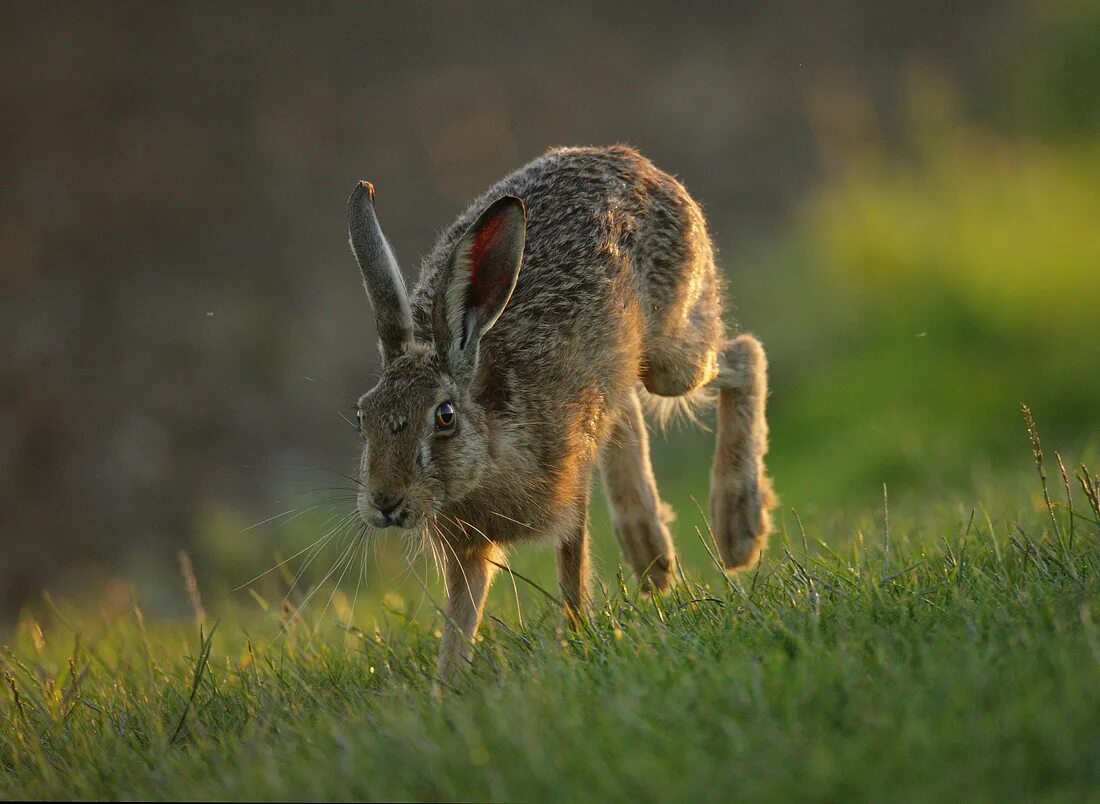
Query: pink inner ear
{"type": "Point", "coordinates": [482, 277]}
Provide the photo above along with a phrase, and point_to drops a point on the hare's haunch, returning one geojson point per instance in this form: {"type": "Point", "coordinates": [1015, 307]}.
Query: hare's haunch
{"type": "Point", "coordinates": [575, 290]}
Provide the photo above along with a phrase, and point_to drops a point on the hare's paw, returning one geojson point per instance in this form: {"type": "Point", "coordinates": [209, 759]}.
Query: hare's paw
{"type": "Point", "coordinates": [648, 547]}
{"type": "Point", "coordinates": [741, 522]}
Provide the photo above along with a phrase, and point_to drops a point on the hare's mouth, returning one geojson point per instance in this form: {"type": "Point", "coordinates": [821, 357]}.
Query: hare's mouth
{"type": "Point", "coordinates": [399, 517]}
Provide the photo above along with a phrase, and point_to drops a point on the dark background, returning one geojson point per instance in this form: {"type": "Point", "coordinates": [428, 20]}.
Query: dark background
{"type": "Point", "coordinates": [182, 323]}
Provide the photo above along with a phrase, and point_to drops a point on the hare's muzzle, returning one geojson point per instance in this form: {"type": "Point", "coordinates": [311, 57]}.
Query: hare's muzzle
{"type": "Point", "coordinates": [384, 510]}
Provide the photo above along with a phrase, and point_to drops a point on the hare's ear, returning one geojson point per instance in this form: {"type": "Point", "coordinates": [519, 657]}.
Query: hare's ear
{"type": "Point", "coordinates": [381, 276]}
{"type": "Point", "coordinates": [479, 279]}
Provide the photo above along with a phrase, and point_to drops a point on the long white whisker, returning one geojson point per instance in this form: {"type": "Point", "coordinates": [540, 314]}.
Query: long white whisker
{"type": "Point", "coordinates": [358, 582]}
{"type": "Point", "coordinates": [343, 523]}
{"type": "Point", "coordinates": [522, 524]}
{"type": "Point", "coordinates": [270, 519]}
{"type": "Point", "coordinates": [348, 494]}
{"type": "Point", "coordinates": [426, 594]}
{"type": "Point", "coordinates": [281, 563]}
{"type": "Point", "coordinates": [307, 509]}
{"type": "Point", "coordinates": [411, 572]}
{"type": "Point", "coordinates": [437, 550]}
{"type": "Point", "coordinates": [350, 553]}
{"type": "Point", "coordinates": [298, 611]}
{"type": "Point", "coordinates": [507, 564]}
{"type": "Point", "coordinates": [461, 569]}
{"type": "Point", "coordinates": [437, 559]}
{"type": "Point", "coordinates": [354, 480]}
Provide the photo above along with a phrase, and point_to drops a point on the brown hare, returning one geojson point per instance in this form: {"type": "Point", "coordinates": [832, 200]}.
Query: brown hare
{"type": "Point", "coordinates": [574, 290]}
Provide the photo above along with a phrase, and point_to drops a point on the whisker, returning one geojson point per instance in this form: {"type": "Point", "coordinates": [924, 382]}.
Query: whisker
{"type": "Point", "coordinates": [281, 563]}
{"type": "Point", "coordinates": [350, 553]}
{"type": "Point", "coordinates": [375, 546]}
{"type": "Point", "coordinates": [437, 559]}
{"type": "Point", "coordinates": [354, 480]}
{"type": "Point", "coordinates": [270, 519]}
{"type": "Point", "coordinates": [410, 572]}
{"type": "Point", "coordinates": [299, 511]}
{"type": "Point", "coordinates": [339, 526]}
{"type": "Point", "coordinates": [352, 424]}
{"type": "Point", "coordinates": [511, 575]}
{"type": "Point", "coordinates": [298, 611]}
{"type": "Point", "coordinates": [522, 524]}
{"type": "Point", "coordinates": [362, 574]}
{"type": "Point", "coordinates": [347, 492]}
{"type": "Point", "coordinates": [407, 562]}
{"type": "Point", "coordinates": [426, 594]}
{"type": "Point", "coordinates": [431, 554]}
{"type": "Point", "coordinates": [460, 568]}
{"type": "Point", "coordinates": [408, 551]}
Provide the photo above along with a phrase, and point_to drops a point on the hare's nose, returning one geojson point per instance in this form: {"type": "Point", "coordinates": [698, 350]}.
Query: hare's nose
{"type": "Point", "coordinates": [387, 503]}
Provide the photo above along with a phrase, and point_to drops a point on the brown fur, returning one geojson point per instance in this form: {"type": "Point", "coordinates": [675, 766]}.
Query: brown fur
{"type": "Point", "coordinates": [574, 289]}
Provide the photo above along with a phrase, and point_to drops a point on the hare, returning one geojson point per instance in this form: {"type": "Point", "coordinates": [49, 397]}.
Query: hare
{"type": "Point", "coordinates": [574, 290]}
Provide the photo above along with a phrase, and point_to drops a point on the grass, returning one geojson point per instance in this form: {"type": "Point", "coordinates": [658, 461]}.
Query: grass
{"type": "Point", "coordinates": [950, 651]}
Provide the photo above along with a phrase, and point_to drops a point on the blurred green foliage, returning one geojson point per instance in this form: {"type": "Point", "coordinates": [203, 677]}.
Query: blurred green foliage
{"type": "Point", "coordinates": [943, 291]}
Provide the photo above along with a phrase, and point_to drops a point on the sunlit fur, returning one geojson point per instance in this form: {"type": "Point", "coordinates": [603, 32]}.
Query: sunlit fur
{"type": "Point", "coordinates": [618, 301]}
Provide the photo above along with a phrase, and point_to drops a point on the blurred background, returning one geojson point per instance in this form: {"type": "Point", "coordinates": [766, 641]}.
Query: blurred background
{"type": "Point", "coordinates": [905, 196]}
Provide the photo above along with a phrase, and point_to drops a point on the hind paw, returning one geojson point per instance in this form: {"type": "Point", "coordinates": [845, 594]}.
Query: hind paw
{"type": "Point", "coordinates": [648, 548]}
{"type": "Point", "coordinates": [658, 576]}
{"type": "Point", "coordinates": [741, 521]}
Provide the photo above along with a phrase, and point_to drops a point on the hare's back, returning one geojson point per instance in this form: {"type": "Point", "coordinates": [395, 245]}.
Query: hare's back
{"type": "Point", "coordinates": [614, 246]}
{"type": "Point", "coordinates": [592, 213]}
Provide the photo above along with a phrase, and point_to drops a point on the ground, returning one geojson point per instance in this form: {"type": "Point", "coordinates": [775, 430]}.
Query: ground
{"type": "Point", "coordinates": [947, 652]}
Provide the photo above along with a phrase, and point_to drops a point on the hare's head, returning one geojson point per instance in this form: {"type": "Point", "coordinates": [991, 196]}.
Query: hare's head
{"type": "Point", "coordinates": [426, 435]}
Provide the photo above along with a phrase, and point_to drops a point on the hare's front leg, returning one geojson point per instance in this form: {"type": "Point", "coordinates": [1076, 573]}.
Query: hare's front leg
{"type": "Point", "coordinates": [574, 569]}
{"type": "Point", "coordinates": [470, 571]}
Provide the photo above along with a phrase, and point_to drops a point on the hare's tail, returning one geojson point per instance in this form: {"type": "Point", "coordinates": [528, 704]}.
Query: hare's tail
{"type": "Point", "coordinates": [741, 496]}
{"type": "Point", "coordinates": [666, 411]}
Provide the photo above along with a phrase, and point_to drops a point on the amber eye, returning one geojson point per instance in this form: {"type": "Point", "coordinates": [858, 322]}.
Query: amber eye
{"type": "Point", "coordinates": [445, 416]}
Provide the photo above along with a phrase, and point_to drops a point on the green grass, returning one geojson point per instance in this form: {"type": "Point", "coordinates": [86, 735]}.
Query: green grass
{"type": "Point", "coordinates": [945, 651]}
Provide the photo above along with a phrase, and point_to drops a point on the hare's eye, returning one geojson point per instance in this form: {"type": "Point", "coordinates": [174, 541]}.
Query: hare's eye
{"type": "Point", "coordinates": [445, 416]}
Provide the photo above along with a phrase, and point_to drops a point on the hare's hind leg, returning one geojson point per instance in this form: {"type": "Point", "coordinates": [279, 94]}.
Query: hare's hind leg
{"type": "Point", "coordinates": [741, 496]}
{"type": "Point", "coordinates": [637, 513]}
